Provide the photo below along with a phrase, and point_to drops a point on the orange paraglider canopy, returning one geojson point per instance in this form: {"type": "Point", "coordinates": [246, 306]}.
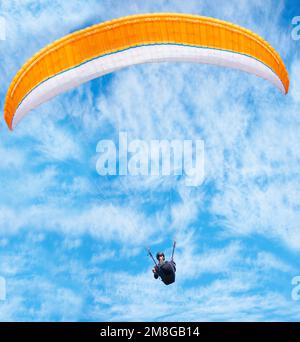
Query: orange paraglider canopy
{"type": "Point", "coordinates": [109, 46]}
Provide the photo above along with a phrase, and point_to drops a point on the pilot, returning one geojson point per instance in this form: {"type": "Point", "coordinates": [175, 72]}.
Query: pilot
{"type": "Point", "coordinates": [160, 256]}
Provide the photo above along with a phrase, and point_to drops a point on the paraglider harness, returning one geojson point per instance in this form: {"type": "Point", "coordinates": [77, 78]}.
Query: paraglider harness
{"type": "Point", "coordinates": [165, 271]}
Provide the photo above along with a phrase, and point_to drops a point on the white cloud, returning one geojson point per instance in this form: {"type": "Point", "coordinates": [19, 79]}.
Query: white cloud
{"type": "Point", "coordinates": [269, 261]}
{"type": "Point", "coordinates": [103, 222]}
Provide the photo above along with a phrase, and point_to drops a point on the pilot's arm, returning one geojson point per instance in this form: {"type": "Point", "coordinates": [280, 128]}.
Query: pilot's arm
{"type": "Point", "coordinates": [155, 274]}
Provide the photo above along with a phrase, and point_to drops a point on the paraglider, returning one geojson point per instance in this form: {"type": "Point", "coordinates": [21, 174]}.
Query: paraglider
{"type": "Point", "coordinates": [165, 270]}
{"type": "Point", "coordinates": [157, 37]}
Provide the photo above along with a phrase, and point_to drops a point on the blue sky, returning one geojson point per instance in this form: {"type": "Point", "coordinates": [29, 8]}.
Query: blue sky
{"type": "Point", "coordinates": [72, 242]}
